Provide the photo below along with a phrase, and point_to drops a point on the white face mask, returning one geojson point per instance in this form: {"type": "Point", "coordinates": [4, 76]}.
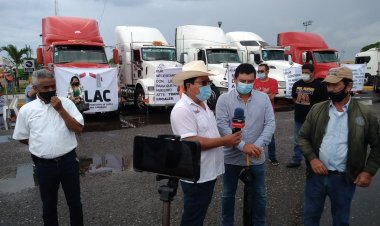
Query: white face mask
{"type": "Point", "coordinates": [305, 77]}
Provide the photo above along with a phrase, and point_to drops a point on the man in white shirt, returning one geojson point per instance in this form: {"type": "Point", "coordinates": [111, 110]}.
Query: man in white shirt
{"type": "Point", "coordinates": [48, 125]}
{"type": "Point", "coordinates": [193, 120]}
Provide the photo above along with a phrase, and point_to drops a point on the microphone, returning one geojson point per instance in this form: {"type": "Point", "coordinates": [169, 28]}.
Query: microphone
{"type": "Point", "coordinates": [238, 120]}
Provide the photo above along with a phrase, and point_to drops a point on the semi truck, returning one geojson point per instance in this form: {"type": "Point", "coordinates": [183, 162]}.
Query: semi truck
{"type": "Point", "coordinates": [253, 49]}
{"type": "Point", "coordinates": [143, 52]}
{"type": "Point", "coordinates": [195, 42]}
{"type": "Point", "coordinates": [306, 47]}
{"type": "Point", "coordinates": [371, 58]}
{"type": "Point", "coordinates": [73, 46]}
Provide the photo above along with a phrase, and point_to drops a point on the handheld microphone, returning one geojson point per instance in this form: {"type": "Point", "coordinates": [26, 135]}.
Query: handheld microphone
{"type": "Point", "coordinates": [238, 121]}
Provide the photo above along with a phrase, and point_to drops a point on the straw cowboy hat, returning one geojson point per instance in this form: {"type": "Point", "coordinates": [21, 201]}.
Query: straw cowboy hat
{"type": "Point", "coordinates": [190, 70]}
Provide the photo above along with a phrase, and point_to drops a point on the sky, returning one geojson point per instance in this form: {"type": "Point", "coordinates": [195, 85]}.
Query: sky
{"type": "Point", "coordinates": [346, 25]}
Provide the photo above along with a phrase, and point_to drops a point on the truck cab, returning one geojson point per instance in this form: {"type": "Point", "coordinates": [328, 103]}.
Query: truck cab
{"type": "Point", "coordinates": [306, 47]}
{"type": "Point", "coordinates": [143, 51]}
{"type": "Point", "coordinates": [195, 42]}
{"type": "Point", "coordinates": [73, 46]}
{"type": "Point", "coordinates": [254, 50]}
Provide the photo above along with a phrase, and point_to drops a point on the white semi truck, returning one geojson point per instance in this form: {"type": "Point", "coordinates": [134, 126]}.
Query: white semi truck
{"type": "Point", "coordinates": [371, 58]}
{"type": "Point", "coordinates": [142, 51]}
{"type": "Point", "coordinates": [195, 42]}
{"type": "Point", "coordinates": [254, 50]}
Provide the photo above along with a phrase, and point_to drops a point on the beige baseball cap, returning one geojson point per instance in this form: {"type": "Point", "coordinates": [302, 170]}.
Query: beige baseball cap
{"type": "Point", "coordinates": [335, 75]}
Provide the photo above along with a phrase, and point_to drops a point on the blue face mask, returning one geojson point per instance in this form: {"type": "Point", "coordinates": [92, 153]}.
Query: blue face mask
{"type": "Point", "coordinates": [261, 75]}
{"type": "Point", "coordinates": [204, 93]}
{"type": "Point", "coordinates": [243, 88]}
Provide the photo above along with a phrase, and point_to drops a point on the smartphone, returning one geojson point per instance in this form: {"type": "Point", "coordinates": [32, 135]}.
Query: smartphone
{"type": "Point", "coordinates": [167, 155]}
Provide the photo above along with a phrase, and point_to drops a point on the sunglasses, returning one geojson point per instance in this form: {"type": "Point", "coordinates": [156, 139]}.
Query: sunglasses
{"type": "Point", "coordinates": [260, 71]}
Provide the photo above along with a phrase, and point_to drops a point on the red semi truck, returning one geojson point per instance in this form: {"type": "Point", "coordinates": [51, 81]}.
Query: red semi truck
{"type": "Point", "coordinates": [73, 47]}
{"type": "Point", "coordinates": [309, 47]}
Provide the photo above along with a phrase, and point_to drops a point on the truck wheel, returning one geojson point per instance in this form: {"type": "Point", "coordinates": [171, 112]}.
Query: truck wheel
{"type": "Point", "coordinates": [140, 105]}
{"type": "Point", "coordinates": [211, 102]}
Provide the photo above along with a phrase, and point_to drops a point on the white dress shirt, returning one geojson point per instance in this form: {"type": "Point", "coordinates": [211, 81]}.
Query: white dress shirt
{"type": "Point", "coordinates": [188, 119]}
{"type": "Point", "coordinates": [48, 134]}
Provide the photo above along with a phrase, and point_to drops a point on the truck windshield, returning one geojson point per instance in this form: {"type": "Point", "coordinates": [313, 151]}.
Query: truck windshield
{"type": "Point", "coordinates": [253, 43]}
{"type": "Point", "coordinates": [362, 59]}
{"type": "Point", "coordinates": [325, 56]}
{"type": "Point", "coordinates": [153, 54]}
{"type": "Point", "coordinates": [217, 56]}
{"type": "Point", "coordinates": [79, 53]}
{"type": "Point", "coordinates": [273, 55]}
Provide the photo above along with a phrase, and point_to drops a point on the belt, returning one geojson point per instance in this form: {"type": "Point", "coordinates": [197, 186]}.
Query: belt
{"type": "Point", "coordinates": [336, 172]}
{"type": "Point", "coordinates": [57, 159]}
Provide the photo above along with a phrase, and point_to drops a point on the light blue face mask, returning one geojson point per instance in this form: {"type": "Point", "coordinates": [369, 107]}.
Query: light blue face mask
{"type": "Point", "coordinates": [204, 93]}
{"type": "Point", "coordinates": [261, 75]}
{"type": "Point", "coordinates": [243, 88]}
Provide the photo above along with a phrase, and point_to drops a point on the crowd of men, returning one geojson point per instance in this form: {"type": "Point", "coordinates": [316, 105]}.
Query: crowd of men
{"type": "Point", "coordinates": [331, 130]}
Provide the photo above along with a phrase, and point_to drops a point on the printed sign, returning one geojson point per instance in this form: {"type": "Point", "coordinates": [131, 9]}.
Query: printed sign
{"type": "Point", "coordinates": [292, 75]}
{"type": "Point", "coordinates": [28, 65]}
{"type": "Point", "coordinates": [100, 85]}
{"type": "Point", "coordinates": [358, 75]}
{"type": "Point", "coordinates": [231, 74]}
{"type": "Point", "coordinates": [165, 91]}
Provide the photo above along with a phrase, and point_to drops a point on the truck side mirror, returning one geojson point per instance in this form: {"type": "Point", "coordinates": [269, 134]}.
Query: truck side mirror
{"type": "Point", "coordinates": [115, 56]}
{"type": "Point", "coordinates": [184, 58]}
{"type": "Point", "coordinates": [337, 55]}
{"type": "Point", "coordinates": [304, 57]}
{"type": "Point", "coordinates": [257, 59]}
{"type": "Point", "coordinates": [39, 56]}
{"type": "Point", "coordinates": [251, 59]}
{"type": "Point", "coordinates": [290, 60]}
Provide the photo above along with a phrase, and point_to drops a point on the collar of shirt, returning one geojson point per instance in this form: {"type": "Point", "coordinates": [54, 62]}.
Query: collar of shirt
{"type": "Point", "coordinates": [345, 107]}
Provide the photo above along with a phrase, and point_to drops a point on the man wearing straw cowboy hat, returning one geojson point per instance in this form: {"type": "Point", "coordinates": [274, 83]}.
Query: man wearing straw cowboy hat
{"type": "Point", "coordinates": [192, 119]}
{"type": "Point", "coordinates": [334, 141]}
{"type": "Point", "coordinates": [257, 133]}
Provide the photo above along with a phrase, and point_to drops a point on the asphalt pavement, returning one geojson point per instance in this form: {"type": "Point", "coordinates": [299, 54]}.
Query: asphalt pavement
{"type": "Point", "coordinates": [114, 194]}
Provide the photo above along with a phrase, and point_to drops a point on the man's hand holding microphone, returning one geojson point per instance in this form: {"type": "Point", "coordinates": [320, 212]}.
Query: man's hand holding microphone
{"type": "Point", "coordinates": [238, 122]}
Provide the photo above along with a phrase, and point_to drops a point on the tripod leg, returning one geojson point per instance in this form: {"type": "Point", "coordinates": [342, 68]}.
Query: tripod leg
{"type": "Point", "coordinates": [165, 213]}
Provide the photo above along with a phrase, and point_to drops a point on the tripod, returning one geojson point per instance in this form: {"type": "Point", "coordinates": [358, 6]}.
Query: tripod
{"type": "Point", "coordinates": [167, 193]}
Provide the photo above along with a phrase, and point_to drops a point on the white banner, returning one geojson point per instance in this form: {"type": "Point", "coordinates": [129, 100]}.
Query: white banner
{"type": "Point", "coordinates": [358, 75]}
{"type": "Point", "coordinates": [292, 75]}
{"type": "Point", "coordinates": [231, 77]}
{"type": "Point", "coordinates": [165, 91]}
{"type": "Point", "coordinates": [100, 85]}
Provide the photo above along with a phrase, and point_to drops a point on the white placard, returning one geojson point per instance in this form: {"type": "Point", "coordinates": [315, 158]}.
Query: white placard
{"type": "Point", "coordinates": [231, 77]}
{"type": "Point", "coordinates": [358, 75]}
{"type": "Point", "coordinates": [100, 85]}
{"type": "Point", "coordinates": [165, 91]}
{"type": "Point", "coordinates": [292, 75]}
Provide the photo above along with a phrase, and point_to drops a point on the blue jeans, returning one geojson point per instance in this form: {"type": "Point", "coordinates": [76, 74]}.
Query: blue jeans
{"type": "Point", "coordinates": [340, 193]}
{"type": "Point", "coordinates": [272, 149]}
{"type": "Point", "coordinates": [196, 199]}
{"type": "Point", "coordinates": [297, 154]}
{"type": "Point", "coordinates": [230, 181]}
{"type": "Point", "coordinates": [51, 173]}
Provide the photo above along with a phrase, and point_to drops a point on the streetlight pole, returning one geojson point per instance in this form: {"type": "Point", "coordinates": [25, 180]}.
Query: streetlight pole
{"type": "Point", "coordinates": [307, 23]}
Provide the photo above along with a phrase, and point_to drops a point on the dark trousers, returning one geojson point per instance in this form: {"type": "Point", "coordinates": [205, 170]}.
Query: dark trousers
{"type": "Point", "coordinates": [52, 172]}
{"type": "Point", "coordinates": [196, 199]}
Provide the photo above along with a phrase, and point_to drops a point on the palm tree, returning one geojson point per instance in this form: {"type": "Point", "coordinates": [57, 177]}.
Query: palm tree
{"type": "Point", "coordinates": [16, 57]}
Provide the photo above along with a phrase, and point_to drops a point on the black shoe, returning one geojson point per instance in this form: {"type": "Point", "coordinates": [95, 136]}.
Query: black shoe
{"type": "Point", "coordinates": [274, 162]}
{"type": "Point", "coordinates": [293, 165]}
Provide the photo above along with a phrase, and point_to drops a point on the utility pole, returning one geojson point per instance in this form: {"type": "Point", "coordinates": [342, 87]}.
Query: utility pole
{"type": "Point", "coordinates": [307, 23]}
{"type": "Point", "coordinates": [56, 7]}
